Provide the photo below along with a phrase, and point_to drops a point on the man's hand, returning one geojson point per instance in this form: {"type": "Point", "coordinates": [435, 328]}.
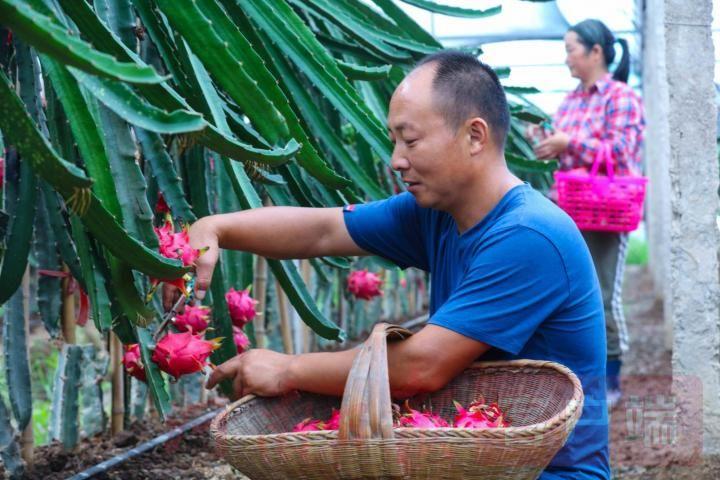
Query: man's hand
{"type": "Point", "coordinates": [202, 236]}
{"type": "Point", "coordinates": [260, 372]}
{"type": "Point", "coordinates": [552, 146]}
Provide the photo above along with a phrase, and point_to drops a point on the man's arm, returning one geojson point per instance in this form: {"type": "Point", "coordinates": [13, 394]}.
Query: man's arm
{"type": "Point", "coordinates": [273, 232]}
{"type": "Point", "coordinates": [425, 362]}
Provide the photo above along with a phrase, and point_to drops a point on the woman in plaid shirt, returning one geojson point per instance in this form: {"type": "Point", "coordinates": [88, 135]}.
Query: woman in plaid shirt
{"type": "Point", "coordinates": [602, 109]}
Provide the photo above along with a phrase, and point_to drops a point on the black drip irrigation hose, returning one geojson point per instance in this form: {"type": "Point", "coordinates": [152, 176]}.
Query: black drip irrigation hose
{"type": "Point", "coordinates": [144, 447]}
{"type": "Point", "coordinates": [177, 431]}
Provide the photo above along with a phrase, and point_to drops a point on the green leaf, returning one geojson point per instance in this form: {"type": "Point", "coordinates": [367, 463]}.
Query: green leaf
{"type": "Point", "coordinates": [406, 24]}
{"type": "Point", "coordinates": [165, 173]}
{"type": "Point", "coordinates": [231, 61]}
{"type": "Point", "coordinates": [296, 40]}
{"type": "Point", "coordinates": [453, 11]}
{"type": "Point", "coordinates": [94, 276]}
{"type": "Point", "coordinates": [363, 36]}
{"type": "Point", "coordinates": [15, 351]}
{"type": "Point", "coordinates": [9, 449]}
{"type": "Point", "coordinates": [46, 255]}
{"type": "Point", "coordinates": [42, 33]}
{"type": "Point", "coordinates": [521, 113]}
{"type": "Point", "coordinates": [20, 233]}
{"type": "Point", "coordinates": [517, 162]}
{"type": "Point", "coordinates": [360, 72]}
{"type": "Point", "coordinates": [64, 418]}
{"type": "Point", "coordinates": [155, 380]}
{"type": "Point", "coordinates": [321, 129]}
{"type": "Point", "coordinates": [73, 185]}
{"type": "Point", "coordinates": [285, 271]}
{"type": "Point", "coordinates": [122, 100]}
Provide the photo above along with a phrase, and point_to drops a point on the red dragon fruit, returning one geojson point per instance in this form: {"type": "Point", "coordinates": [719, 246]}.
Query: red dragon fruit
{"type": "Point", "coordinates": [183, 353]}
{"type": "Point", "coordinates": [309, 425]}
{"type": "Point", "coordinates": [364, 285]}
{"type": "Point", "coordinates": [418, 419]}
{"type": "Point", "coordinates": [312, 425]}
{"type": "Point", "coordinates": [333, 423]}
{"type": "Point", "coordinates": [176, 246]}
{"type": "Point", "coordinates": [161, 207]}
{"type": "Point", "coordinates": [193, 319]}
{"type": "Point", "coordinates": [133, 362]}
{"type": "Point", "coordinates": [242, 342]}
{"type": "Point", "coordinates": [241, 306]}
{"type": "Point", "coordinates": [480, 415]}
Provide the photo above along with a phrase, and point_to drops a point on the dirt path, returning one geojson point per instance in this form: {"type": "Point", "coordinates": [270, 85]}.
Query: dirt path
{"type": "Point", "coordinates": [648, 439]}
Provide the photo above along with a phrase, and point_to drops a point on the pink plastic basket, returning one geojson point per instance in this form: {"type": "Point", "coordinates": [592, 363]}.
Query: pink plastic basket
{"type": "Point", "coordinates": [611, 203]}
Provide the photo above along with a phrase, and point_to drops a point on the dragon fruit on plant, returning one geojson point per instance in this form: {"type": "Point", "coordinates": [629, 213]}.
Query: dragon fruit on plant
{"type": "Point", "coordinates": [175, 245]}
{"type": "Point", "coordinates": [242, 342]}
{"type": "Point", "coordinates": [183, 353]}
{"type": "Point", "coordinates": [193, 319]}
{"type": "Point", "coordinates": [133, 362]}
{"type": "Point", "coordinates": [364, 284]}
{"type": "Point", "coordinates": [161, 207]}
{"type": "Point", "coordinates": [241, 306]}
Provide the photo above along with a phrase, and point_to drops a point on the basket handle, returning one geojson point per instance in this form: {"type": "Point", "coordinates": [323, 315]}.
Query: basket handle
{"type": "Point", "coordinates": [366, 410]}
{"type": "Point", "coordinates": [604, 153]}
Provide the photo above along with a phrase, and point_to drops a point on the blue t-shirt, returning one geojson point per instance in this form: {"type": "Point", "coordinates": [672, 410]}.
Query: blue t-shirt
{"type": "Point", "coordinates": [522, 281]}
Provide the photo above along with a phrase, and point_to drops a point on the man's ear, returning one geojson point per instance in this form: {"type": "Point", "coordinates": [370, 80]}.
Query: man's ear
{"type": "Point", "coordinates": [478, 133]}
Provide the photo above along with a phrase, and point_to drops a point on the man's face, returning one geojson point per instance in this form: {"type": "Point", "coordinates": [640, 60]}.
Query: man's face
{"type": "Point", "coordinates": [428, 154]}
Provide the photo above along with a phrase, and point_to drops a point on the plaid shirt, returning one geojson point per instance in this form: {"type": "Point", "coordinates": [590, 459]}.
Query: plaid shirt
{"type": "Point", "coordinates": [609, 111]}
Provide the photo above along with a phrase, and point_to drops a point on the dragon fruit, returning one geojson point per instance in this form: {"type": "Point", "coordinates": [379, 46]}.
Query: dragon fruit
{"type": "Point", "coordinates": [312, 425]}
{"type": "Point", "coordinates": [193, 319]}
{"type": "Point", "coordinates": [241, 306]}
{"type": "Point", "coordinates": [242, 342]}
{"type": "Point", "coordinates": [417, 419]}
{"type": "Point", "coordinates": [176, 246]}
{"type": "Point", "coordinates": [480, 415]}
{"type": "Point", "coordinates": [309, 425]}
{"type": "Point", "coordinates": [333, 423]}
{"type": "Point", "coordinates": [133, 362]}
{"type": "Point", "coordinates": [364, 284]}
{"type": "Point", "coordinates": [161, 207]}
{"type": "Point", "coordinates": [182, 353]}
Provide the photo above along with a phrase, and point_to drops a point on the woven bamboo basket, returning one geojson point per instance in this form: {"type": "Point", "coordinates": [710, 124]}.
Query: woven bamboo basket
{"type": "Point", "coordinates": [543, 400]}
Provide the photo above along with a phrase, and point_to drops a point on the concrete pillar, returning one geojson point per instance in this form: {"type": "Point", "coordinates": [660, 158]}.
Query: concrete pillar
{"type": "Point", "coordinates": [694, 302]}
{"type": "Point", "coordinates": [657, 150]}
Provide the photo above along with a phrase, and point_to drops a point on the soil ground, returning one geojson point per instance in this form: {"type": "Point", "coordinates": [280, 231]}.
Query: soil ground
{"type": "Point", "coordinates": [647, 442]}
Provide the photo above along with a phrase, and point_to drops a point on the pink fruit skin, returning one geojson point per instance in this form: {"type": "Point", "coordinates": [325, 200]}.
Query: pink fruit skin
{"type": "Point", "coordinates": [241, 306]}
{"type": "Point", "coordinates": [242, 342]}
{"type": "Point", "coordinates": [193, 319]}
{"type": "Point", "coordinates": [479, 415]}
{"type": "Point", "coordinates": [183, 353]}
{"type": "Point", "coordinates": [133, 362]}
{"type": "Point", "coordinates": [176, 245]}
{"type": "Point", "coordinates": [364, 285]}
{"type": "Point", "coordinates": [418, 419]}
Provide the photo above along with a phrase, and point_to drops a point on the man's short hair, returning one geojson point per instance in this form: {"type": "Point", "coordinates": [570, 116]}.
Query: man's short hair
{"type": "Point", "coordinates": [465, 87]}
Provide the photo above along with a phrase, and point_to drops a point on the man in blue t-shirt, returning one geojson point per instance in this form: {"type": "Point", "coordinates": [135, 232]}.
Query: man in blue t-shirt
{"type": "Point", "coordinates": [511, 275]}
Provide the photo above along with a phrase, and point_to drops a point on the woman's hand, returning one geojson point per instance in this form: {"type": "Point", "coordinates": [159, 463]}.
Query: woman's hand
{"type": "Point", "coordinates": [552, 146]}
{"type": "Point", "coordinates": [258, 371]}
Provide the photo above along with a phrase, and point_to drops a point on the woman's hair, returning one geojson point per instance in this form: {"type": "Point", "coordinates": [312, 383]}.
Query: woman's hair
{"type": "Point", "coordinates": [594, 32]}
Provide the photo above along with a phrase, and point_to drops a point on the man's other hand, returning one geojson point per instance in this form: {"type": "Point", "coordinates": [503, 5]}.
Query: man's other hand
{"type": "Point", "coordinates": [261, 372]}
